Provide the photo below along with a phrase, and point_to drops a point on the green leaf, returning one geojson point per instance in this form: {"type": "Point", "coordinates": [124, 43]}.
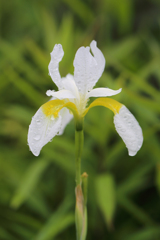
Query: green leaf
{"type": "Point", "coordinates": [28, 90]}
{"type": "Point", "coordinates": [135, 210]}
{"type": "Point", "coordinates": [58, 221]}
{"type": "Point", "coordinates": [145, 234]}
{"type": "Point", "coordinates": [81, 9]}
{"type": "Point", "coordinates": [158, 177]}
{"type": "Point", "coordinates": [29, 182]}
{"type": "Point", "coordinates": [5, 235]}
{"type": "Point", "coordinates": [121, 49]}
{"type": "Point", "coordinates": [136, 179]}
{"type": "Point", "coordinates": [106, 196]}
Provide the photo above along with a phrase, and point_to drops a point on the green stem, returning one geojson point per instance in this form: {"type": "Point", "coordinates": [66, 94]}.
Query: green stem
{"type": "Point", "coordinates": [79, 210]}
{"type": "Point", "coordinates": [85, 187]}
{"type": "Point", "coordinates": [79, 147]}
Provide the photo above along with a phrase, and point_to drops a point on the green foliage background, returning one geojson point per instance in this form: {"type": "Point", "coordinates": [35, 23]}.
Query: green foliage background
{"type": "Point", "coordinates": [37, 194]}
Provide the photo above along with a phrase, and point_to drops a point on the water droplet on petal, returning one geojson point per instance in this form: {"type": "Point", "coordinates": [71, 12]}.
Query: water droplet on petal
{"type": "Point", "coordinates": [37, 137]}
{"type": "Point", "coordinates": [38, 121]}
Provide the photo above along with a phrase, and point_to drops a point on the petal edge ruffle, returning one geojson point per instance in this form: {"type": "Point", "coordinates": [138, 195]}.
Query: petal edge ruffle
{"type": "Point", "coordinates": [53, 67]}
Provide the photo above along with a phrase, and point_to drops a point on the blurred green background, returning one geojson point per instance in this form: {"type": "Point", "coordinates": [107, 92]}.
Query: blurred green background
{"type": "Point", "coordinates": [37, 194]}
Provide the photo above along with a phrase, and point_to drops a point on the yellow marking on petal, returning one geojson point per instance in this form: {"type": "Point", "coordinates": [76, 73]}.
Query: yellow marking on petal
{"type": "Point", "coordinates": [72, 107]}
{"type": "Point", "coordinates": [54, 106]}
{"type": "Point", "coordinates": [105, 102]}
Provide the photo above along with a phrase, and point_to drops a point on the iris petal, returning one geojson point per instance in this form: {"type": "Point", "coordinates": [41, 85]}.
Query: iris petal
{"type": "Point", "coordinates": [41, 130]}
{"type": "Point", "coordinates": [66, 118]}
{"type": "Point", "coordinates": [87, 68]}
{"type": "Point", "coordinates": [53, 107]}
{"type": "Point", "coordinates": [102, 92]}
{"type": "Point", "coordinates": [56, 57]}
{"type": "Point", "coordinates": [129, 130]}
{"type": "Point", "coordinates": [49, 120]}
{"type": "Point", "coordinates": [105, 102]}
{"type": "Point", "coordinates": [125, 123]}
{"type": "Point", "coordinates": [68, 83]}
{"type": "Point", "coordinates": [62, 94]}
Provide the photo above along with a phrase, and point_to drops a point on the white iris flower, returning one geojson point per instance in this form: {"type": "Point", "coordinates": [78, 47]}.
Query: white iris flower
{"type": "Point", "coordinates": [72, 97]}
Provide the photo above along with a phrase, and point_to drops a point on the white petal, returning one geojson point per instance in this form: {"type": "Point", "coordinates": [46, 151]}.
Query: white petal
{"type": "Point", "coordinates": [66, 118]}
{"type": "Point", "coordinates": [41, 130]}
{"type": "Point", "coordinates": [129, 130]}
{"type": "Point", "coordinates": [102, 92]}
{"type": "Point", "coordinates": [56, 57]}
{"type": "Point", "coordinates": [68, 83]}
{"type": "Point", "coordinates": [87, 68]}
{"type": "Point", "coordinates": [62, 94]}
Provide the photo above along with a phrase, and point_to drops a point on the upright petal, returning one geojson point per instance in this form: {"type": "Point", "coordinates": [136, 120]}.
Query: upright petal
{"type": "Point", "coordinates": [56, 57]}
{"type": "Point", "coordinates": [41, 130]}
{"type": "Point", "coordinates": [87, 68]}
{"type": "Point", "coordinates": [68, 83]}
{"type": "Point", "coordinates": [129, 130]}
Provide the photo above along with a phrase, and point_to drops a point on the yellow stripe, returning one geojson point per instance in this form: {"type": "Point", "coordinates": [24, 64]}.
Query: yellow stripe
{"type": "Point", "coordinates": [54, 106]}
{"type": "Point", "coordinates": [105, 102]}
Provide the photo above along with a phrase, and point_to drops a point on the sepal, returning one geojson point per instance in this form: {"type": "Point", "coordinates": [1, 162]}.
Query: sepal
{"type": "Point", "coordinates": [129, 130]}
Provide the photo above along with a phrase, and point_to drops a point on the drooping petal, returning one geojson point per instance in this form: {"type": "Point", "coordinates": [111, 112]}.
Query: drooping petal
{"type": "Point", "coordinates": [53, 107]}
{"type": "Point", "coordinates": [62, 94]}
{"type": "Point", "coordinates": [48, 122]}
{"type": "Point", "coordinates": [56, 57]}
{"type": "Point", "coordinates": [41, 130]}
{"type": "Point", "coordinates": [125, 123]}
{"type": "Point", "coordinates": [129, 130]}
{"type": "Point", "coordinates": [88, 68]}
{"type": "Point", "coordinates": [110, 103]}
{"type": "Point", "coordinates": [66, 118]}
{"type": "Point", "coordinates": [102, 92]}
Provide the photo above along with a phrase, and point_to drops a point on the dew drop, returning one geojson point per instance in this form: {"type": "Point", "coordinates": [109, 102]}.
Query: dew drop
{"type": "Point", "coordinates": [38, 121]}
{"type": "Point", "coordinates": [37, 137]}
{"type": "Point", "coordinates": [123, 129]}
{"type": "Point", "coordinates": [129, 123]}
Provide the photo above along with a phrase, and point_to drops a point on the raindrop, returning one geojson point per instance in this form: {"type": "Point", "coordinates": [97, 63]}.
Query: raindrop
{"type": "Point", "coordinates": [123, 130]}
{"type": "Point", "coordinates": [125, 117]}
{"type": "Point", "coordinates": [129, 123]}
{"type": "Point", "coordinates": [38, 121]}
{"type": "Point", "coordinates": [118, 127]}
{"type": "Point", "coordinates": [37, 137]}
